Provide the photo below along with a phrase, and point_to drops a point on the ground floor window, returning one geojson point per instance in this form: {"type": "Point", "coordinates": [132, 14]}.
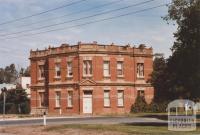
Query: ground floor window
{"type": "Point", "coordinates": [120, 98]}
{"type": "Point", "coordinates": [58, 99]}
{"type": "Point", "coordinates": [41, 99]}
{"type": "Point", "coordinates": [106, 98]}
{"type": "Point", "coordinates": [70, 99]}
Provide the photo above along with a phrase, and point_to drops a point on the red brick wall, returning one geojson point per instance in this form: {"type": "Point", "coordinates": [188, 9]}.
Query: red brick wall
{"type": "Point", "coordinates": [127, 83]}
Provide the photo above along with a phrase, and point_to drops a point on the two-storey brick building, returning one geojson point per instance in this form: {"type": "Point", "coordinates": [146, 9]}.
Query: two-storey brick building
{"type": "Point", "coordinates": [89, 78]}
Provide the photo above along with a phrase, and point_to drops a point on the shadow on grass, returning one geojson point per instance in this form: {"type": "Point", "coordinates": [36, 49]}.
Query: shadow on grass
{"type": "Point", "coordinates": [162, 116]}
{"type": "Point", "coordinates": [157, 124]}
{"type": "Point", "coordinates": [160, 124]}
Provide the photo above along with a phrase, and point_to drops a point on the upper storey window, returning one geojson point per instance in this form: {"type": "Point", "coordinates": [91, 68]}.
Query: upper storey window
{"type": "Point", "coordinates": [41, 71]}
{"type": "Point", "coordinates": [140, 70]}
{"type": "Point", "coordinates": [87, 68]}
{"type": "Point", "coordinates": [120, 71]}
{"type": "Point", "coordinates": [57, 70]}
{"type": "Point", "coordinates": [69, 69]}
{"type": "Point", "coordinates": [106, 68]}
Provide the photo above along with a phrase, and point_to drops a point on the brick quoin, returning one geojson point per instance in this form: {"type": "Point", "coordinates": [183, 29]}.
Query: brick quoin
{"type": "Point", "coordinates": [44, 89]}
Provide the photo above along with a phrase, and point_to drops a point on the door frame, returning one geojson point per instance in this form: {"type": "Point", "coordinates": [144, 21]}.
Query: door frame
{"type": "Point", "coordinates": [91, 92]}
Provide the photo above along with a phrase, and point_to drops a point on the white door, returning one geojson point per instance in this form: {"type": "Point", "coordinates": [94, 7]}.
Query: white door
{"type": "Point", "coordinates": [87, 102]}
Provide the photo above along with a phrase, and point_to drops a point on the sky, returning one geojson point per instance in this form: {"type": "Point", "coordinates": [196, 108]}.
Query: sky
{"type": "Point", "coordinates": [139, 28]}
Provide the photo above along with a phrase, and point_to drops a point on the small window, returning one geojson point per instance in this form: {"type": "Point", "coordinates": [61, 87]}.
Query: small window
{"type": "Point", "coordinates": [41, 99]}
{"type": "Point", "coordinates": [106, 68]}
{"type": "Point", "coordinates": [87, 67]}
{"type": "Point", "coordinates": [120, 68]}
{"type": "Point", "coordinates": [106, 98]}
{"type": "Point", "coordinates": [120, 98]}
{"type": "Point", "coordinates": [41, 71]}
{"type": "Point", "coordinates": [140, 70]}
{"type": "Point", "coordinates": [58, 70]}
{"type": "Point", "coordinates": [70, 99]}
{"type": "Point", "coordinates": [69, 69]}
{"type": "Point", "coordinates": [58, 99]}
{"type": "Point", "coordinates": [141, 93]}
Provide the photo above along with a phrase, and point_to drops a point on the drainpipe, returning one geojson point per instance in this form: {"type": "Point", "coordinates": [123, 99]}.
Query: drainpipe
{"type": "Point", "coordinates": [79, 81]}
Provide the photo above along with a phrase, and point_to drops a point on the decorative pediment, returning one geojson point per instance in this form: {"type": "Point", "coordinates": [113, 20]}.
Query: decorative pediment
{"type": "Point", "coordinates": [87, 82]}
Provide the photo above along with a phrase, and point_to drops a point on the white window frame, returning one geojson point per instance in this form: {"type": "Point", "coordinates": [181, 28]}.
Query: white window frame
{"type": "Point", "coordinates": [41, 71]}
{"type": "Point", "coordinates": [41, 99]}
{"type": "Point", "coordinates": [120, 68]}
{"type": "Point", "coordinates": [106, 100]}
{"type": "Point", "coordinates": [57, 69]}
{"type": "Point", "coordinates": [87, 68]}
{"type": "Point", "coordinates": [140, 70]}
{"type": "Point", "coordinates": [57, 99]}
{"type": "Point", "coordinates": [70, 99]}
{"type": "Point", "coordinates": [106, 68]}
{"type": "Point", "coordinates": [69, 69]}
{"type": "Point", "coordinates": [120, 98]}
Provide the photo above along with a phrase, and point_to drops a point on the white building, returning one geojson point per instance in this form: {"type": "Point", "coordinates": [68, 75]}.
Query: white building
{"type": "Point", "coordinates": [7, 86]}
{"type": "Point", "coordinates": [24, 82]}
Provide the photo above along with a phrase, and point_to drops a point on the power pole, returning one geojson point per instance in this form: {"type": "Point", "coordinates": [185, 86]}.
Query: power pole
{"type": "Point", "coordinates": [4, 104]}
{"type": "Point", "coordinates": [4, 101]}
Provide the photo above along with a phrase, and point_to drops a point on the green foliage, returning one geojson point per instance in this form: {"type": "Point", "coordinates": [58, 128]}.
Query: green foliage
{"type": "Point", "coordinates": [17, 102]}
{"type": "Point", "coordinates": [140, 105]}
{"type": "Point", "coordinates": [157, 107]}
{"type": "Point", "coordinates": [184, 64]}
{"type": "Point", "coordinates": [179, 75]}
{"type": "Point", "coordinates": [9, 73]}
{"type": "Point", "coordinates": [25, 72]}
{"type": "Point", "coordinates": [160, 80]}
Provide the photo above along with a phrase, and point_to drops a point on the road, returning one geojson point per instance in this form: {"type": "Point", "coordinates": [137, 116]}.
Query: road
{"type": "Point", "coordinates": [83, 120]}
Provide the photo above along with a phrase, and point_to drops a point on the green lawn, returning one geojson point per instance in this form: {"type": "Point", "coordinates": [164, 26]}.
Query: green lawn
{"type": "Point", "coordinates": [129, 129]}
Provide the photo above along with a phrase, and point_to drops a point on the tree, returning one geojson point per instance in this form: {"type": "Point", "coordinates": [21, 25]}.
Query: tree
{"type": "Point", "coordinates": [159, 80]}
{"type": "Point", "coordinates": [184, 64]}
{"type": "Point", "coordinates": [16, 101]}
{"type": "Point", "coordinates": [25, 72]}
{"type": "Point", "coordinates": [9, 74]}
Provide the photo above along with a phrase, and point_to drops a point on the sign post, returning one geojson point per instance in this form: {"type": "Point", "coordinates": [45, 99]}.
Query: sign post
{"type": "Point", "coordinates": [44, 119]}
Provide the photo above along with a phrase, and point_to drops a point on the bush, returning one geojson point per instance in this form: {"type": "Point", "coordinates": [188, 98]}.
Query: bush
{"type": "Point", "coordinates": [25, 107]}
{"type": "Point", "coordinates": [140, 105]}
{"type": "Point", "coordinates": [158, 107]}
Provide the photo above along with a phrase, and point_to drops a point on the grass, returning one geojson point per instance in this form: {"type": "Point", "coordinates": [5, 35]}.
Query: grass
{"type": "Point", "coordinates": [123, 128]}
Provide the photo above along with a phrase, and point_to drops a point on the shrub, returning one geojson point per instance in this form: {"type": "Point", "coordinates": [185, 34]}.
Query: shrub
{"type": "Point", "coordinates": [140, 105]}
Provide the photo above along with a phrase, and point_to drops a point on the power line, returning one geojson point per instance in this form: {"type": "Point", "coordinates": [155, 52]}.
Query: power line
{"type": "Point", "coordinates": [86, 17]}
{"type": "Point", "coordinates": [50, 10]}
{"type": "Point", "coordinates": [73, 13]}
{"type": "Point", "coordinates": [91, 22]}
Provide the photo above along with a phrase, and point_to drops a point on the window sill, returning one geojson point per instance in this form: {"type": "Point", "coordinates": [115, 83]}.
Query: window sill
{"type": "Point", "coordinates": [69, 76]}
{"type": "Point", "coordinates": [41, 79]}
{"type": "Point", "coordinates": [57, 77]}
{"type": "Point", "coordinates": [41, 107]}
{"type": "Point", "coordinates": [57, 107]}
{"type": "Point", "coordinates": [87, 76]}
{"type": "Point", "coordinates": [120, 76]}
{"type": "Point", "coordinates": [140, 78]}
{"type": "Point", "coordinates": [70, 107]}
{"type": "Point", "coordinates": [107, 106]}
{"type": "Point", "coordinates": [107, 77]}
